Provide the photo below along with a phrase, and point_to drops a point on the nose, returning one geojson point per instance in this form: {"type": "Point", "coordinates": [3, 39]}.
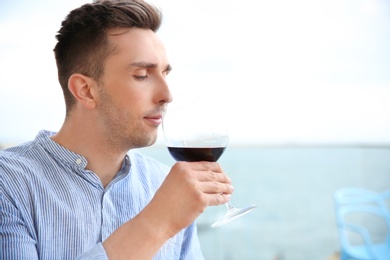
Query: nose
{"type": "Point", "coordinates": [164, 94]}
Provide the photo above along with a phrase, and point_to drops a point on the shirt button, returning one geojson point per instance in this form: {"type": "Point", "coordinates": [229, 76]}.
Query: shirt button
{"type": "Point", "coordinates": [79, 161]}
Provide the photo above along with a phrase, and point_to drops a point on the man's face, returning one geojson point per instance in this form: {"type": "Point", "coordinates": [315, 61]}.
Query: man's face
{"type": "Point", "coordinates": [133, 90]}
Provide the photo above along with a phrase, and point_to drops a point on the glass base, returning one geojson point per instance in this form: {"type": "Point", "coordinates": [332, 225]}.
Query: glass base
{"type": "Point", "coordinates": [232, 214]}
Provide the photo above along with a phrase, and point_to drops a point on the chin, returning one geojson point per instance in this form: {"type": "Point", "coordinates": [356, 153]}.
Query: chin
{"type": "Point", "coordinates": [152, 141]}
{"type": "Point", "coordinates": [146, 142]}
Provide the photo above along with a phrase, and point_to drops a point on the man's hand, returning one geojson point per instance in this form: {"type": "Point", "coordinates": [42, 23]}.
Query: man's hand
{"type": "Point", "coordinates": [187, 190]}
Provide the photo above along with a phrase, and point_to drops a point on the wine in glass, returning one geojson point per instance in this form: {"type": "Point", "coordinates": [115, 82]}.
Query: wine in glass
{"type": "Point", "coordinates": [194, 130]}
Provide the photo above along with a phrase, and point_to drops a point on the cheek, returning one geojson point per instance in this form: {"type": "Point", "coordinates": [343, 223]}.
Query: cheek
{"type": "Point", "coordinates": [131, 107]}
{"type": "Point", "coordinates": [135, 98]}
{"type": "Point", "coordinates": [132, 103]}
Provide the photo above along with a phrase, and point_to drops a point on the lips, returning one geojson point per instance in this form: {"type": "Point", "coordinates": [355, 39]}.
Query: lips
{"type": "Point", "coordinates": [154, 119]}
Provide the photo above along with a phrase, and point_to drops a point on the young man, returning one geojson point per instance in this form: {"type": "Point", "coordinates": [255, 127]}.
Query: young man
{"type": "Point", "coordinates": [82, 192]}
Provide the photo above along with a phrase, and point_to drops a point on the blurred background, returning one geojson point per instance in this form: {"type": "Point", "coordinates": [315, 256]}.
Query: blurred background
{"type": "Point", "coordinates": [306, 85]}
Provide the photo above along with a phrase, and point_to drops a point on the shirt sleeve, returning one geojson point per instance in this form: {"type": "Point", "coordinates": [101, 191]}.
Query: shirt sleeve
{"type": "Point", "coordinates": [15, 239]}
{"type": "Point", "coordinates": [17, 243]}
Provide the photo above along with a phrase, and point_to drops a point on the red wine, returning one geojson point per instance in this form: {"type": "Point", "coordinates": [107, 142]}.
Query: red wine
{"type": "Point", "coordinates": [196, 154]}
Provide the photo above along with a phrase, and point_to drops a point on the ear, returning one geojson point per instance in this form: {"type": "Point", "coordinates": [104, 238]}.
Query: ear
{"type": "Point", "coordinates": [82, 88]}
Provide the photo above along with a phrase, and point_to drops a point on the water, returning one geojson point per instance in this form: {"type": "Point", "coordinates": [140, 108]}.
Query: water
{"type": "Point", "coordinates": [293, 188]}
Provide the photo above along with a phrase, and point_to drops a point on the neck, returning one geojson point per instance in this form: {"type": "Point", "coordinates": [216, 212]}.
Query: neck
{"type": "Point", "coordinates": [105, 161]}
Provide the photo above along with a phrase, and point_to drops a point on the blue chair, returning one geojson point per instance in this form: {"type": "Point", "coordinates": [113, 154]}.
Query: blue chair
{"type": "Point", "coordinates": [366, 249]}
{"type": "Point", "coordinates": [360, 196]}
{"type": "Point", "coordinates": [386, 197]}
{"type": "Point", "coordinates": [350, 202]}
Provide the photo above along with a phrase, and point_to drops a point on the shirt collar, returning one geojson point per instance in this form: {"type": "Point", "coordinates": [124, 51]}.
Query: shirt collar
{"type": "Point", "coordinates": [60, 152]}
{"type": "Point", "coordinates": [73, 159]}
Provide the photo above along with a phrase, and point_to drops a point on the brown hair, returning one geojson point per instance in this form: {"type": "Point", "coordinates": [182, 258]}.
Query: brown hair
{"type": "Point", "coordinates": [83, 44]}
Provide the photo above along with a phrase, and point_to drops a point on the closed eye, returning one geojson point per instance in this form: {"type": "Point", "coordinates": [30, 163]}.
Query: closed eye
{"type": "Point", "coordinates": [140, 77]}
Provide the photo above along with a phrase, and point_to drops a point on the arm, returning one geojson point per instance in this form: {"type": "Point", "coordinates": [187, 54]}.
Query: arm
{"type": "Point", "coordinates": [188, 189]}
{"type": "Point", "coordinates": [16, 242]}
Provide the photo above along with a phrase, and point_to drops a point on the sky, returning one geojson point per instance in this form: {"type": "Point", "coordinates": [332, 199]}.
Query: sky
{"type": "Point", "coordinates": [286, 72]}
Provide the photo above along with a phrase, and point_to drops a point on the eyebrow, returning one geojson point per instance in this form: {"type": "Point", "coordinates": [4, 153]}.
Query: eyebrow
{"type": "Point", "coordinates": [149, 65]}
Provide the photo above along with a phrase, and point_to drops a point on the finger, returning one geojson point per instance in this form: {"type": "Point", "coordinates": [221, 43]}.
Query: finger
{"type": "Point", "coordinates": [218, 199]}
{"type": "Point", "coordinates": [205, 176]}
{"type": "Point", "coordinates": [216, 188]}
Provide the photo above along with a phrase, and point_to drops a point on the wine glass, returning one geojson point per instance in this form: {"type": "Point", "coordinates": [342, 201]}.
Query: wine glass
{"type": "Point", "coordinates": [196, 130]}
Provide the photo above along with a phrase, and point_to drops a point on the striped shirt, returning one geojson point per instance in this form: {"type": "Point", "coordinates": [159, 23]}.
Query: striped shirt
{"type": "Point", "coordinates": [51, 207]}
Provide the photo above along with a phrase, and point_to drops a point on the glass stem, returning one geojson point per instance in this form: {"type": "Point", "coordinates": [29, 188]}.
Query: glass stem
{"type": "Point", "coordinates": [229, 206]}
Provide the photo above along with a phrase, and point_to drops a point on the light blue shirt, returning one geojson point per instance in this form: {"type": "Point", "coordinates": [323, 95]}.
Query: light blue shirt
{"type": "Point", "coordinates": [51, 207]}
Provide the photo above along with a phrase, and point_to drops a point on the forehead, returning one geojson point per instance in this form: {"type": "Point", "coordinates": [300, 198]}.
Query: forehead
{"type": "Point", "coordinates": [136, 45]}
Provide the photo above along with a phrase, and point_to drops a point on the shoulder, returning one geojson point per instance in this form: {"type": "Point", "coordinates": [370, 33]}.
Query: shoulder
{"type": "Point", "coordinates": [17, 158]}
{"type": "Point", "coordinates": [20, 165]}
{"type": "Point", "coordinates": [18, 173]}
